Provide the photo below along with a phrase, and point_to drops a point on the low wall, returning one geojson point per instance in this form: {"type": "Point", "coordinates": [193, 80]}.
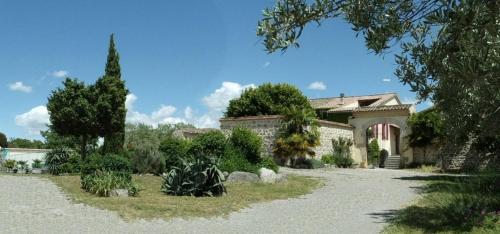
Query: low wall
{"type": "Point", "coordinates": [267, 127]}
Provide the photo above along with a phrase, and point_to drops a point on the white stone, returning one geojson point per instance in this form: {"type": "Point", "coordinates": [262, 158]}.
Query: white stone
{"type": "Point", "coordinates": [242, 177]}
{"type": "Point", "coordinates": [118, 193]}
{"type": "Point", "coordinates": [267, 176]}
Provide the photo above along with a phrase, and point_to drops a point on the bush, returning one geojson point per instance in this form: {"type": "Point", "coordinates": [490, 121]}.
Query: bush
{"type": "Point", "coordinates": [373, 152]}
{"type": "Point", "coordinates": [234, 160]}
{"type": "Point", "coordinates": [9, 164]}
{"type": "Point", "coordinates": [148, 161]}
{"type": "Point", "coordinates": [328, 159]}
{"type": "Point", "coordinates": [343, 162]}
{"type": "Point", "coordinates": [174, 149]}
{"type": "Point", "coordinates": [118, 164]}
{"type": "Point", "coordinates": [197, 178]}
{"type": "Point", "coordinates": [247, 142]}
{"type": "Point", "coordinates": [56, 158]}
{"type": "Point", "coordinates": [102, 183]}
{"type": "Point", "coordinates": [269, 163]}
{"type": "Point", "coordinates": [308, 163]}
{"type": "Point", "coordinates": [384, 154]}
{"type": "Point", "coordinates": [211, 144]}
{"type": "Point", "coordinates": [37, 163]}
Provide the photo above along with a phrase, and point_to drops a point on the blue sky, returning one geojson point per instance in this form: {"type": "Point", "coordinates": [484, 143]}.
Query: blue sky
{"type": "Point", "coordinates": [182, 60]}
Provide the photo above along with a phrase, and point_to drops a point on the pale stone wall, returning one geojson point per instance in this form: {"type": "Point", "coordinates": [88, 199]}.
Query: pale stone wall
{"type": "Point", "coordinates": [265, 126]}
{"type": "Point", "coordinates": [328, 131]}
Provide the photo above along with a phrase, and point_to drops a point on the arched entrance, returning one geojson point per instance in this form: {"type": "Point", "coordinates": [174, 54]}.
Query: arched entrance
{"type": "Point", "coordinates": [391, 126]}
{"type": "Point", "coordinates": [383, 142]}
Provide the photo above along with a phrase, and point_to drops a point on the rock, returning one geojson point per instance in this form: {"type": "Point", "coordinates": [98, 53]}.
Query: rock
{"type": "Point", "coordinates": [119, 193]}
{"type": "Point", "coordinates": [281, 178]}
{"type": "Point", "coordinates": [226, 174]}
{"type": "Point", "coordinates": [242, 177]}
{"type": "Point", "coordinates": [267, 176]}
{"type": "Point", "coordinates": [36, 171]}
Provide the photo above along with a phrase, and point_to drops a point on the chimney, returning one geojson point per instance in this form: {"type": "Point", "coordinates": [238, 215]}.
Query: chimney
{"type": "Point", "coordinates": [342, 98]}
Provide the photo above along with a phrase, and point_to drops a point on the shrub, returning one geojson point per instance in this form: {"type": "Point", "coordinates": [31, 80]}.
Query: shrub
{"type": "Point", "coordinates": [308, 163]}
{"type": "Point", "coordinates": [9, 164]}
{"type": "Point", "coordinates": [210, 144]}
{"type": "Point", "coordinates": [56, 158]}
{"type": "Point", "coordinates": [148, 161]}
{"type": "Point", "coordinates": [328, 159]}
{"type": "Point", "coordinates": [102, 183]}
{"type": "Point", "coordinates": [384, 154]}
{"type": "Point", "coordinates": [37, 163]}
{"type": "Point", "coordinates": [373, 152]}
{"type": "Point", "coordinates": [343, 162]}
{"type": "Point", "coordinates": [234, 160]}
{"type": "Point", "coordinates": [174, 149]}
{"type": "Point", "coordinates": [118, 164]}
{"type": "Point", "coordinates": [269, 163]}
{"type": "Point", "coordinates": [197, 178]}
{"type": "Point", "coordinates": [247, 142]}
{"type": "Point", "coordinates": [342, 152]}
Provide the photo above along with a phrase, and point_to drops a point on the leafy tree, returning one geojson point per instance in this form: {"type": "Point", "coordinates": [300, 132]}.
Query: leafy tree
{"type": "Point", "coordinates": [25, 143]}
{"type": "Point", "coordinates": [54, 140]}
{"type": "Point", "coordinates": [248, 143]}
{"type": "Point", "coordinates": [3, 140]}
{"type": "Point", "coordinates": [72, 112]}
{"type": "Point", "coordinates": [111, 94]}
{"type": "Point", "coordinates": [449, 53]}
{"type": "Point", "coordinates": [298, 135]}
{"type": "Point", "coordinates": [373, 151]}
{"type": "Point", "coordinates": [426, 129]}
{"type": "Point", "coordinates": [267, 99]}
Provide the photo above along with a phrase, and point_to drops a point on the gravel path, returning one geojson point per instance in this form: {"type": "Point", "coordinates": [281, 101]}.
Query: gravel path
{"type": "Point", "coordinates": [353, 201]}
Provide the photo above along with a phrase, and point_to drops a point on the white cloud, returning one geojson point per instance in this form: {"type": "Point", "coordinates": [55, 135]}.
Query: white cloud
{"type": "Point", "coordinates": [164, 115]}
{"type": "Point", "coordinates": [20, 87]}
{"type": "Point", "coordinates": [317, 85]}
{"type": "Point", "coordinates": [386, 80]}
{"type": "Point", "coordinates": [34, 120]}
{"type": "Point", "coordinates": [266, 64]}
{"type": "Point", "coordinates": [59, 73]}
{"type": "Point", "coordinates": [219, 99]}
{"type": "Point", "coordinates": [188, 113]}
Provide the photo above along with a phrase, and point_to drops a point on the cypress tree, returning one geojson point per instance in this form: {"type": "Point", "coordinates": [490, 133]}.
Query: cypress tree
{"type": "Point", "coordinates": [111, 94]}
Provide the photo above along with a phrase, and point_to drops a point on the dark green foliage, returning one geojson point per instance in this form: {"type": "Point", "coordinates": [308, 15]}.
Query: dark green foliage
{"type": "Point", "coordinates": [174, 150]}
{"type": "Point", "coordinates": [269, 163]}
{"type": "Point", "coordinates": [328, 159]}
{"type": "Point", "coordinates": [58, 160]}
{"type": "Point", "coordinates": [9, 164]}
{"type": "Point", "coordinates": [102, 183]}
{"type": "Point", "coordinates": [37, 163]}
{"type": "Point", "coordinates": [72, 112]}
{"type": "Point", "coordinates": [308, 163]}
{"type": "Point", "coordinates": [212, 144]}
{"type": "Point", "coordinates": [54, 140]}
{"type": "Point", "coordinates": [111, 94]}
{"type": "Point", "coordinates": [118, 164]}
{"type": "Point", "coordinates": [248, 143]}
{"type": "Point", "coordinates": [3, 140]}
{"type": "Point", "coordinates": [373, 152]}
{"type": "Point", "coordinates": [298, 135]}
{"type": "Point", "coordinates": [148, 161]}
{"type": "Point", "coordinates": [197, 178]}
{"type": "Point", "coordinates": [267, 99]}
{"type": "Point", "coordinates": [26, 144]}
{"type": "Point", "coordinates": [384, 154]}
{"type": "Point", "coordinates": [235, 160]}
{"type": "Point", "coordinates": [426, 130]}
{"type": "Point", "coordinates": [342, 152]}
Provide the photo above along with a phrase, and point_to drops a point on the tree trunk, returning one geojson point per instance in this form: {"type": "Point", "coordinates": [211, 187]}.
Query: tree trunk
{"type": "Point", "coordinates": [83, 147]}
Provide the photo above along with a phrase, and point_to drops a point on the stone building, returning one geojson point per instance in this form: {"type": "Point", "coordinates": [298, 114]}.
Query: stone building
{"type": "Point", "coordinates": [380, 117]}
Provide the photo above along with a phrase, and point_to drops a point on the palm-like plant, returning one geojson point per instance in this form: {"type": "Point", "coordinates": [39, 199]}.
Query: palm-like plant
{"type": "Point", "coordinates": [298, 135]}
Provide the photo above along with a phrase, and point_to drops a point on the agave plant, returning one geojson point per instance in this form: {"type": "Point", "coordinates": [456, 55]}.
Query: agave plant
{"type": "Point", "coordinates": [198, 178]}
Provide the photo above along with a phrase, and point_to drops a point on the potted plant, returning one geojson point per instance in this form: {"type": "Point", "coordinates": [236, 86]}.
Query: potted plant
{"type": "Point", "coordinates": [22, 167]}
{"type": "Point", "coordinates": [36, 166]}
{"type": "Point", "coordinates": [10, 164]}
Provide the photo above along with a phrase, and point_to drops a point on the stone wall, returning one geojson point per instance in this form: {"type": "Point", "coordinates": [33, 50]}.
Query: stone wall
{"type": "Point", "coordinates": [328, 131]}
{"type": "Point", "coordinates": [265, 126]}
{"type": "Point", "coordinates": [268, 126]}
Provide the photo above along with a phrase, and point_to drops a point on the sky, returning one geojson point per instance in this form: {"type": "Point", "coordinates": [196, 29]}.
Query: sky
{"type": "Point", "coordinates": [182, 61]}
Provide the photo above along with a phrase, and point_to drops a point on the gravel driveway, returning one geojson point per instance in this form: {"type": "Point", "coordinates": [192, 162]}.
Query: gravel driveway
{"type": "Point", "coordinates": [353, 201]}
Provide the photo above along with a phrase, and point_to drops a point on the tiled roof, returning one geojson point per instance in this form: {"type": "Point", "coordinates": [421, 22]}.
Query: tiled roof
{"type": "Point", "coordinates": [383, 108]}
{"type": "Point", "coordinates": [338, 102]}
{"type": "Point", "coordinates": [258, 117]}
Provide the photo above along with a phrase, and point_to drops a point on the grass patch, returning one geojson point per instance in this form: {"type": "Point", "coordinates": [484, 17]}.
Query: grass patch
{"type": "Point", "coordinates": [426, 169]}
{"type": "Point", "coordinates": [451, 204]}
{"type": "Point", "coordinates": [151, 203]}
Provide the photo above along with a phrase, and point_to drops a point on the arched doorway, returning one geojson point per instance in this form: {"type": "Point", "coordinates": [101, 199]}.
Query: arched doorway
{"type": "Point", "coordinates": [383, 141]}
{"type": "Point", "coordinates": [391, 122]}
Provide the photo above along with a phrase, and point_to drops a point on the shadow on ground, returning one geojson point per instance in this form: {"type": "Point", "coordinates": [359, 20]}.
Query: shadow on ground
{"type": "Point", "coordinates": [450, 203]}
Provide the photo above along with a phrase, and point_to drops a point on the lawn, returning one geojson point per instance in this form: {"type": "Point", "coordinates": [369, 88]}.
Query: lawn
{"type": "Point", "coordinates": [452, 204]}
{"type": "Point", "coordinates": [151, 203]}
